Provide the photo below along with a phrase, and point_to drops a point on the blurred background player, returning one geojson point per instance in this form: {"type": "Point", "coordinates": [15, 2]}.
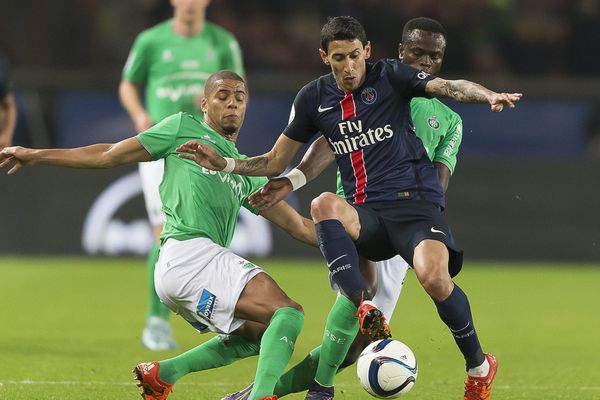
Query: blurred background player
{"type": "Point", "coordinates": [172, 61]}
{"type": "Point", "coordinates": [8, 108]}
{"type": "Point", "coordinates": [423, 47]}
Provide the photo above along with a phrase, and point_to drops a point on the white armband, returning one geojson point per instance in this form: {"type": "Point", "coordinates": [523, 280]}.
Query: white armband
{"type": "Point", "coordinates": [297, 178]}
{"type": "Point", "coordinates": [230, 165]}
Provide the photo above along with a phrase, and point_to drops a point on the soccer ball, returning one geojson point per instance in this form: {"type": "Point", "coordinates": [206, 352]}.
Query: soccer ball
{"type": "Point", "coordinates": [387, 369]}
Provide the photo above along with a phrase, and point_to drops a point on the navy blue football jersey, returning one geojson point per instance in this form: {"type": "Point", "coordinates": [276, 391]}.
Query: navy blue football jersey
{"type": "Point", "coordinates": [371, 133]}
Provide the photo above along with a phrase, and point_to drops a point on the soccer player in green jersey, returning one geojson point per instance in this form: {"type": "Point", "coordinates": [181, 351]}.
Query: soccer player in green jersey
{"type": "Point", "coordinates": [439, 128]}
{"type": "Point", "coordinates": [172, 60]}
{"type": "Point", "coordinates": [196, 275]}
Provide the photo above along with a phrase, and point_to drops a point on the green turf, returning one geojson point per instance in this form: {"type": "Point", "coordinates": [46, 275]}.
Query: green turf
{"type": "Point", "coordinates": [70, 329]}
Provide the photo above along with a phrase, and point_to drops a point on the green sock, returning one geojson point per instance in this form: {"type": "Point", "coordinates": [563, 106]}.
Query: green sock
{"type": "Point", "coordinates": [218, 351]}
{"type": "Point", "coordinates": [276, 348]}
{"type": "Point", "coordinates": [340, 330]}
{"type": "Point", "coordinates": [155, 307]}
{"type": "Point", "coordinates": [300, 377]}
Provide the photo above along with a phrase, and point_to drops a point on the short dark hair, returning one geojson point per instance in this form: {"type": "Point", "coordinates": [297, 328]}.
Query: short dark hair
{"type": "Point", "coordinates": [220, 75]}
{"type": "Point", "coordinates": [342, 28]}
{"type": "Point", "coordinates": [423, 24]}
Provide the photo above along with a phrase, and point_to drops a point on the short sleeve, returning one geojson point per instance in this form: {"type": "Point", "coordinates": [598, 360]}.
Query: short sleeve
{"type": "Point", "coordinates": [256, 182]}
{"type": "Point", "coordinates": [136, 66]}
{"type": "Point", "coordinates": [159, 140]}
{"type": "Point", "coordinates": [408, 81]}
{"type": "Point", "coordinates": [301, 127]}
{"type": "Point", "coordinates": [447, 150]}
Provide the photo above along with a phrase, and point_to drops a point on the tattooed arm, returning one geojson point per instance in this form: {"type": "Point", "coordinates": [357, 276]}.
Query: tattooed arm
{"type": "Point", "coordinates": [465, 91]}
{"type": "Point", "coordinates": [272, 163]}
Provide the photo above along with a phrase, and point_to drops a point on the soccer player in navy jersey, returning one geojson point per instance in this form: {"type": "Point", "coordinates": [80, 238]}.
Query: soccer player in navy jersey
{"type": "Point", "coordinates": [393, 196]}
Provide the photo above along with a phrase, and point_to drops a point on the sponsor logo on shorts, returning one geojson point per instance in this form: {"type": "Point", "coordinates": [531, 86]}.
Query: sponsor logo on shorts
{"type": "Point", "coordinates": [206, 304]}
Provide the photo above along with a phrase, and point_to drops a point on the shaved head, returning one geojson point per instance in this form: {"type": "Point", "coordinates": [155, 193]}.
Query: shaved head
{"type": "Point", "coordinates": [213, 80]}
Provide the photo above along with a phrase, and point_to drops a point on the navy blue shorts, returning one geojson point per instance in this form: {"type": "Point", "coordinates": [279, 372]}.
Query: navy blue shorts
{"type": "Point", "coordinates": [397, 227]}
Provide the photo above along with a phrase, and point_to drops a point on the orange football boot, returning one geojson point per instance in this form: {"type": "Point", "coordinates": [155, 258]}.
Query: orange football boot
{"type": "Point", "coordinates": [480, 387]}
{"type": "Point", "coordinates": [152, 387]}
{"type": "Point", "coordinates": [371, 321]}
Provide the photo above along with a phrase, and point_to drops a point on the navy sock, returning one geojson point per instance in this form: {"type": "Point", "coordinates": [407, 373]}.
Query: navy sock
{"type": "Point", "coordinates": [456, 314]}
{"type": "Point", "coordinates": [342, 259]}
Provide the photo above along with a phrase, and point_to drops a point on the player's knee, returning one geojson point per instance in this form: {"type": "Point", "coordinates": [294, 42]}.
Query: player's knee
{"type": "Point", "coordinates": [324, 207]}
{"type": "Point", "coordinates": [437, 284]}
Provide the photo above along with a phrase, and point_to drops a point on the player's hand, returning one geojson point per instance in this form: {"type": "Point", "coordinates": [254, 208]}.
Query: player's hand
{"type": "Point", "coordinates": [19, 156]}
{"type": "Point", "coordinates": [272, 193]}
{"type": "Point", "coordinates": [202, 154]}
{"type": "Point", "coordinates": [142, 122]}
{"type": "Point", "coordinates": [499, 100]}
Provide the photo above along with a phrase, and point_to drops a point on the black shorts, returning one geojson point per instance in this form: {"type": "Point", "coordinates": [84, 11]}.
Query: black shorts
{"type": "Point", "coordinates": [397, 227]}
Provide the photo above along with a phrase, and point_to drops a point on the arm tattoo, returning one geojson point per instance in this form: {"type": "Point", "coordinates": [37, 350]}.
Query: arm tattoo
{"type": "Point", "coordinates": [251, 166]}
{"type": "Point", "coordinates": [465, 91]}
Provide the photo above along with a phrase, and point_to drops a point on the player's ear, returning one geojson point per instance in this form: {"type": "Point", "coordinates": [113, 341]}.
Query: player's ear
{"type": "Point", "coordinates": [400, 51]}
{"type": "Point", "coordinates": [204, 105]}
{"type": "Point", "coordinates": [323, 55]}
{"type": "Point", "coordinates": [367, 50]}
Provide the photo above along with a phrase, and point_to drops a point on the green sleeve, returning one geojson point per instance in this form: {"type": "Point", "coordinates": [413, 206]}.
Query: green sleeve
{"type": "Point", "coordinates": [447, 150]}
{"type": "Point", "coordinates": [136, 67]}
{"type": "Point", "coordinates": [340, 188]}
{"type": "Point", "coordinates": [160, 139]}
{"type": "Point", "coordinates": [231, 56]}
{"type": "Point", "coordinates": [256, 182]}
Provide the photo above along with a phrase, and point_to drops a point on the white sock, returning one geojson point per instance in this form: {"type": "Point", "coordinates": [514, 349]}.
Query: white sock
{"type": "Point", "coordinates": [481, 370]}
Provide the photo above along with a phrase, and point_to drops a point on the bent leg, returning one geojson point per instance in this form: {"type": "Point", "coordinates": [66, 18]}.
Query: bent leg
{"type": "Point", "coordinates": [217, 352]}
{"type": "Point", "coordinates": [263, 301]}
{"type": "Point", "coordinates": [431, 267]}
{"type": "Point", "coordinates": [337, 225]}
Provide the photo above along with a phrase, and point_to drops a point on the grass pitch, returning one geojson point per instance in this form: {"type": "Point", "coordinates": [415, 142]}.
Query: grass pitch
{"type": "Point", "coordinates": [70, 329]}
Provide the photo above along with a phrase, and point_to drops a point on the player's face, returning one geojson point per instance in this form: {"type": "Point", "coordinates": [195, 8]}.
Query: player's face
{"type": "Point", "coordinates": [225, 106]}
{"type": "Point", "coordinates": [347, 59]}
{"type": "Point", "coordinates": [423, 50]}
{"type": "Point", "coordinates": [189, 11]}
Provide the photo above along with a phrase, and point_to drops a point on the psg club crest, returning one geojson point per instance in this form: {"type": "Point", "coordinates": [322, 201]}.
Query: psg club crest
{"type": "Point", "coordinates": [368, 95]}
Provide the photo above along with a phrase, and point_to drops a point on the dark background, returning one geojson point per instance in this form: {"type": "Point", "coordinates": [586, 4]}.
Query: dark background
{"type": "Point", "coordinates": [527, 182]}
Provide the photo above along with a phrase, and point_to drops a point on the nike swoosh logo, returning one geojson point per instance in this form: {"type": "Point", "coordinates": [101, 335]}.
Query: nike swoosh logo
{"type": "Point", "coordinates": [436, 231]}
{"type": "Point", "coordinates": [329, 264]}
{"type": "Point", "coordinates": [323, 109]}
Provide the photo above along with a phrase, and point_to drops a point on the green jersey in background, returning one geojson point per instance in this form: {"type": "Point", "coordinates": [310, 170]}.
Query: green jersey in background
{"type": "Point", "coordinates": [174, 68]}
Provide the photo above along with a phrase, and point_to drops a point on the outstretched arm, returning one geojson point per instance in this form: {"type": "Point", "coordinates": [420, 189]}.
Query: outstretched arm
{"type": "Point", "coordinates": [285, 217]}
{"type": "Point", "coordinates": [94, 156]}
{"type": "Point", "coordinates": [315, 160]}
{"type": "Point", "coordinates": [269, 164]}
{"type": "Point", "coordinates": [469, 92]}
